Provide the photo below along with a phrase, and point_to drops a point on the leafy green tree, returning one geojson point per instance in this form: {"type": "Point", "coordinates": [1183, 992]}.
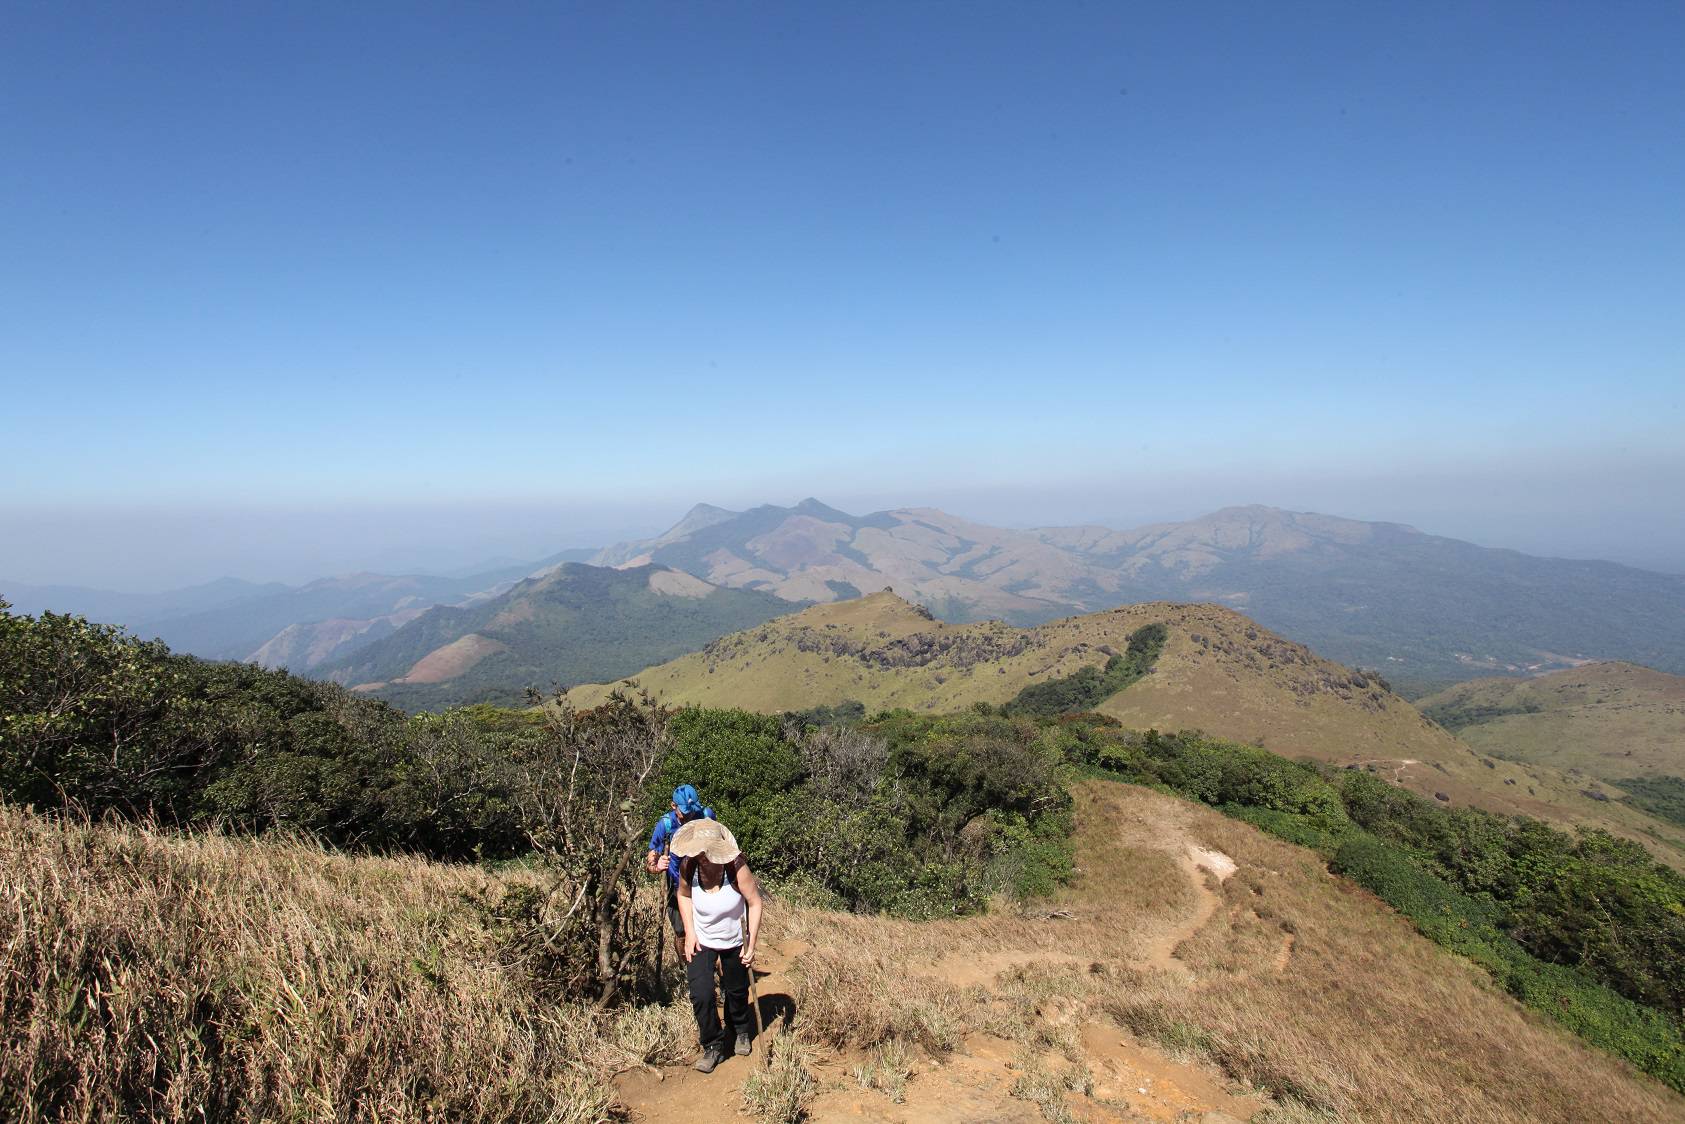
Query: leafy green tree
{"type": "Point", "coordinates": [741, 764]}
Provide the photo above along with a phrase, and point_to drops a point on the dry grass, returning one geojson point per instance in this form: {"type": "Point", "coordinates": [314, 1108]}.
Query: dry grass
{"type": "Point", "coordinates": [1045, 1085]}
{"type": "Point", "coordinates": [150, 978]}
{"type": "Point", "coordinates": [780, 1093]}
{"type": "Point", "coordinates": [1297, 983]}
{"type": "Point", "coordinates": [887, 1067]}
{"type": "Point", "coordinates": [843, 1002]}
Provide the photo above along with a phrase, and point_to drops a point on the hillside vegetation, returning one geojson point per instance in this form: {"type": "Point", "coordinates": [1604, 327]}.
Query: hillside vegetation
{"type": "Point", "coordinates": [1216, 671]}
{"type": "Point", "coordinates": [155, 977]}
{"type": "Point", "coordinates": [572, 624]}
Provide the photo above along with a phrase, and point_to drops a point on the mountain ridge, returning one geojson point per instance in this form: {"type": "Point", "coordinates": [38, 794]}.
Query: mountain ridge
{"type": "Point", "coordinates": [1424, 608]}
{"type": "Point", "coordinates": [569, 623]}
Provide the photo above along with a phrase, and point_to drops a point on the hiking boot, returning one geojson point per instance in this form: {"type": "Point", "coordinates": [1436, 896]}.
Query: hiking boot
{"type": "Point", "coordinates": [710, 1058]}
{"type": "Point", "coordinates": [743, 1046]}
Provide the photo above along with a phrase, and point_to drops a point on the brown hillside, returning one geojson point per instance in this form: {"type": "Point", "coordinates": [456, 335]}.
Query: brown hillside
{"type": "Point", "coordinates": [1609, 720]}
{"type": "Point", "coordinates": [1219, 672]}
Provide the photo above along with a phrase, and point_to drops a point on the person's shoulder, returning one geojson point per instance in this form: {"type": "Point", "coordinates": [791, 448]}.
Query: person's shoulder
{"type": "Point", "coordinates": [708, 814]}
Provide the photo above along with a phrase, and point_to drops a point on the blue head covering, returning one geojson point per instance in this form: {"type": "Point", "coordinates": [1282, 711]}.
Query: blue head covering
{"type": "Point", "coordinates": [688, 802]}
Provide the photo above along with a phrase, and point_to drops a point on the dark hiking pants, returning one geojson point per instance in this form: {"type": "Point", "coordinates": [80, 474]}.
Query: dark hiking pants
{"type": "Point", "coordinates": [700, 972]}
{"type": "Point", "coordinates": [673, 917]}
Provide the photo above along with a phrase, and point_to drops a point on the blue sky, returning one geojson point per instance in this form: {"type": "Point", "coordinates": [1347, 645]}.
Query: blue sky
{"type": "Point", "coordinates": [534, 275]}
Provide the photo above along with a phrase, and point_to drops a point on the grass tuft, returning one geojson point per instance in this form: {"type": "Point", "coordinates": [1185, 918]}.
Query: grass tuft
{"type": "Point", "coordinates": [780, 1092]}
{"type": "Point", "coordinates": [887, 1068]}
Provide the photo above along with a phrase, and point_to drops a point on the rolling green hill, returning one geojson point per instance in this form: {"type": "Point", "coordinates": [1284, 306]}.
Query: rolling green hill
{"type": "Point", "coordinates": [1217, 671]}
{"type": "Point", "coordinates": [572, 624]}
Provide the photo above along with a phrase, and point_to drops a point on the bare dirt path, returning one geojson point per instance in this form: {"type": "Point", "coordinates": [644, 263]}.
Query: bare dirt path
{"type": "Point", "coordinates": [1131, 1080]}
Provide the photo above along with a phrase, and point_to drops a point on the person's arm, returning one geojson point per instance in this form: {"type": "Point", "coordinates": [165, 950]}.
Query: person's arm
{"type": "Point", "coordinates": [685, 912]}
{"type": "Point", "coordinates": [751, 891]}
{"type": "Point", "coordinates": [657, 844]}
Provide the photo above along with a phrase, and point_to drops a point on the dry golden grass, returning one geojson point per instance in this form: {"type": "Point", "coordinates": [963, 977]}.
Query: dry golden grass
{"type": "Point", "coordinates": [148, 977]}
{"type": "Point", "coordinates": [151, 977]}
{"type": "Point", "coordinates": [781, 1092]}
{"type": "Point", "coordinates": [1608, 720]}
{"type": "Point", "coordinates": [1294, 982]}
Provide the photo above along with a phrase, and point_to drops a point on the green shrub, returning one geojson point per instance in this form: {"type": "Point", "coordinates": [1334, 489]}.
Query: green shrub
{"type": "Point", "coordinates": [1295, 827]}
{"type": "Point", "coordinates": [1453, 919]}
{"type": "Point", "coordinates": [1648, 1038]}
{"type": "Point", "coordinates": [1662, 797]}
{"type": "Point", "coordinates": [740, 763]}
{"type": "Point", "coordinates": [1089, 686]}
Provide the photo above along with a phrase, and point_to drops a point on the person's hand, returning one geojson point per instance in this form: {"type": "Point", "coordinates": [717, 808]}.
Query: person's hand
{"type": "Point", "coordinates": [652, 863]}
{"type": "Point", "coordinates": [691, 947]}
{"type": "Point", "coordinates": [748, 954]}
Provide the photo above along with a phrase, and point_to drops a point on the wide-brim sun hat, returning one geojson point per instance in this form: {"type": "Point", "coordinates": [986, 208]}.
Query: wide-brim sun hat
{"type": "Point", "coordinates": [706, 837]}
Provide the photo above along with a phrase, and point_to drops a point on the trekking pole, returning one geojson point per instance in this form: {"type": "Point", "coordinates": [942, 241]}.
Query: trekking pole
{"type": "Point", "coordinates": [755, 1002]}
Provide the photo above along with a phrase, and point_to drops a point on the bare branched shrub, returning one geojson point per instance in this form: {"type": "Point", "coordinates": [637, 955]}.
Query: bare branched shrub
{"type": "Point", "coordinates": [581, 792]}
{"type": "Point", "coordinates": [843, 764]}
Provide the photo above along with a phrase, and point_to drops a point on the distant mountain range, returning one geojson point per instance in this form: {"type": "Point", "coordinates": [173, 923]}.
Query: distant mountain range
{"type": "Point", "coordinates": [299, 627]}
{"type": "Point", "coordinates": [1425, 610]}
{"type": "Point", "coordinates": [569, 624]}
{"type": "Point", "coordinates": [1422, 608]}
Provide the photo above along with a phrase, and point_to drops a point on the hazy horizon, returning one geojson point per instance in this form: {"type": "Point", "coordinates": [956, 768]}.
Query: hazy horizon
{"type": "Point", "coordinates": [172, 549]}
{"type": "Point", "coordinates": [293, 290]}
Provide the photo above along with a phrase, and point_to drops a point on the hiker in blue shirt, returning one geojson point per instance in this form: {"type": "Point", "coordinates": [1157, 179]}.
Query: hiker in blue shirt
{"type": "Point", "coordinates": [686, 806]}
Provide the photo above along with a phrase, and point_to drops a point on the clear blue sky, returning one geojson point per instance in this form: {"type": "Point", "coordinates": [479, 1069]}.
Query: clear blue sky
{"type": "Point", "coordinates": [586, 264]}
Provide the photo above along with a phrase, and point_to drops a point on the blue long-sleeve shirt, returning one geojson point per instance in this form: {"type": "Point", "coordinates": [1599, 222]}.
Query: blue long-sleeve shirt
{"type": "Point", "coordinates": [662, 837]}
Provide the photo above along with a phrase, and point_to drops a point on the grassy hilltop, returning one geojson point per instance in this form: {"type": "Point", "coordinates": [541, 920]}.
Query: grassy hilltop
{"type": "Point", "coordinates": [1218, 672]}
{"type": "Point", "coordinates": [1610, 720]}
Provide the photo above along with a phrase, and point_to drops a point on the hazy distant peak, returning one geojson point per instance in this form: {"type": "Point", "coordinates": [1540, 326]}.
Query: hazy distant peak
{"type": "Point", "coordinates": [703, 515]}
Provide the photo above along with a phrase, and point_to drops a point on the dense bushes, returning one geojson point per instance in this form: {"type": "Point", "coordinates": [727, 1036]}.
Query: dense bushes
{"type": "Point", "coordinates": [92, 718]}
{"type": "Point", "coordinates": [917, 816]}
{"type": "Point", "coordinates": [1088, 687]}
{"type": "Point", "coordinates": [739, 761]}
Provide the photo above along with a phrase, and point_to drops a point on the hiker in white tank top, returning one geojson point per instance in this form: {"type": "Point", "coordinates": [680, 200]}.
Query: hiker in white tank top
{"type": "Point", "coordinates": [720, 904]}
{"type": "Point", "coordinates": [717, 915]}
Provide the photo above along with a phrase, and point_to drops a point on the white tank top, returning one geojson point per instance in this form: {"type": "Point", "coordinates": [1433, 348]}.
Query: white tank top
{"type": "Point", "coordinates": [717, 914]}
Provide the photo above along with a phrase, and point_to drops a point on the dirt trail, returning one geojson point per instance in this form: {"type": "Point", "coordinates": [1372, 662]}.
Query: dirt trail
{"type": "Point", "coordinates": [1198, 864]}
{"type": "Point", "coordinates": [1132, 1080]}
